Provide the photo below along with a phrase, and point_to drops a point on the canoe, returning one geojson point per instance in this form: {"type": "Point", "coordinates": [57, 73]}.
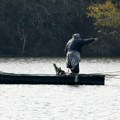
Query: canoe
{"type": "Point", "coordinates": [73, 79]}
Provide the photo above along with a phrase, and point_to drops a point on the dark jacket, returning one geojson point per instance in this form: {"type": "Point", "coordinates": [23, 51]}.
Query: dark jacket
{"type": "Point", "coordinates": [77, 44]}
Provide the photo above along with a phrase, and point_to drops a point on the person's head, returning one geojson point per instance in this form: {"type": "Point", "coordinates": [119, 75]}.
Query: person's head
{"type": "Point", "coordinates": [76, 36]}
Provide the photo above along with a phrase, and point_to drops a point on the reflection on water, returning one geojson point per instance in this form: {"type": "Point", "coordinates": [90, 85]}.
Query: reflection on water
{"type": "Point", "coordinates": [60, 102]}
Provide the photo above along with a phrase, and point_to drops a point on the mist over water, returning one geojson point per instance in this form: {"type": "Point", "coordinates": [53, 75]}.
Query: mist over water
{"type": "Point", "coordinates": [60, 102]}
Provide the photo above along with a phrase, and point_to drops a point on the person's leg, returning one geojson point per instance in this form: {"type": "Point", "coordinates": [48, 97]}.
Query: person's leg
{"type": "Point", "coordinates": [76, 69]}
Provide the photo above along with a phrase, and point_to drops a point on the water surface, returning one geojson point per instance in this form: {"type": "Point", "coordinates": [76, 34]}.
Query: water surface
{"type": "Point", "coordinates": [60, 102]}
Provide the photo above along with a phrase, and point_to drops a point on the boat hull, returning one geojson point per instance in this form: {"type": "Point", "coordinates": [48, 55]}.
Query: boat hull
{"type": "Point", "coordinates": [81, 79]}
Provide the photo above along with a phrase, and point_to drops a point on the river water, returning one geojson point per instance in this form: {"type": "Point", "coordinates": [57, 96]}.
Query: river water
{"type": "Point", "coordinates": [60, 102]}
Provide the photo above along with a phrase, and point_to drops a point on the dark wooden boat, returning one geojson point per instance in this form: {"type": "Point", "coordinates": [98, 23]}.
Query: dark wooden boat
{"type": "Point", "coordinates": [78, 79]}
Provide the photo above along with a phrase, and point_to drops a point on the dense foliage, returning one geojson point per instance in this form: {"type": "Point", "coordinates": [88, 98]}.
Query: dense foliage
{"type": "Point", "coordinates": [106, 14]}
{"type": "Point", "coordinates": [42, 27]}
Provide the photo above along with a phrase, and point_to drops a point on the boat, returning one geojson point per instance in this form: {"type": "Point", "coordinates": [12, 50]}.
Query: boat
{"type": "Point", "coordinates": [58, 78]}
{"type": "Point", "coordinates": [80, 79]}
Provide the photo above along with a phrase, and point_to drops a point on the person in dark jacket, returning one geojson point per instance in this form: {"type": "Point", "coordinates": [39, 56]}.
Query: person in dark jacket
{"type": "Point", "coordinates": [73, 49]}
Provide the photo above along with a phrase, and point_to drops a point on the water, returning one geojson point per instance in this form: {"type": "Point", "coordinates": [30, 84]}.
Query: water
{"type": "Point", "coordinates": [60, 102]}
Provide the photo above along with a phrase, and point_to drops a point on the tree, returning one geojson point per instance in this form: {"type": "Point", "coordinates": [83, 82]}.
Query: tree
{"type": "Point", "coordinates": [106, 18]}
{"type": "Point", "coordinates": [105, 15]}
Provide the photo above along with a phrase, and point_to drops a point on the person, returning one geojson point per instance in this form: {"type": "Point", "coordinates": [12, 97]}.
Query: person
{"type": "Point", "coordinates": [73, 49]}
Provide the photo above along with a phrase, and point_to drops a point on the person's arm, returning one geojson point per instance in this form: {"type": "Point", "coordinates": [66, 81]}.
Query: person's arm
{"type": "Point", "coordinates": [90, 40]}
